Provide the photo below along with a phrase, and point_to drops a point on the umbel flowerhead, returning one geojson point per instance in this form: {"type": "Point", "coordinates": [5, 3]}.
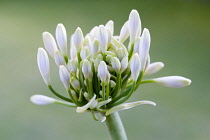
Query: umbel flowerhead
{"type": "Point", "coordinates": [101, 72]}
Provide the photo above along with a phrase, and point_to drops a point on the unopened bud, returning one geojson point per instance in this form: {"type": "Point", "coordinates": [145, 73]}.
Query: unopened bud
{"type": "Point", "coordinates": [86, 69]}
{"type": "Point", "coordinates": [84, 52]}
{"type": "Point", "coordinates": [94, 48]}
{"type": "Point", "coordinates": [124, 32]}
{"type": "Point", "coordinates": [75, 83]}
{"type": "Point", "coordinates": [124, 64]}
{"type": "Point", "coordinates": [135, 66]}
{"type": "Point", "coordinates": [72, 66]}
{"type": "Point", "coordinates": [61, 38]}
{"type": "Point", "coordinates": [42, 100]}
{"type": "Point", "coordinates": [110, 26]}
{"type": "Point", "coordinates": [103, 38]}
{"type": "Point", "coordinates": [116, 64]}
{"type": "Point", "coordinates": [49, 43]}
{"type": "Point", "coordinates": [102, 71]}
{"type": "Point", "coordinates": [153, 68]}
{"type": "Point", "coordinates": [64, 76]}
{"type": "Point", "coordinates": [78, 39]}
{"type": "Point", "coordinates": [59, 59]}
{"type": "Point", "coordinates": [173, 81]}
{"type": "Point", "coordinates": [43, 64]}
{"type": "Point", "coordinates": [134, 24]}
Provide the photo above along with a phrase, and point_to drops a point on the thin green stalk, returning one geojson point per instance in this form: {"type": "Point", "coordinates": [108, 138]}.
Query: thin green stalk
{"type": "Point", "coordinates": [103, 91]}
{"type": "Point", "coordinates": [115, 127]}
{"type": "Point", "coordinates": [58, 95]}
{"type": "Point", "coordinates": [118, 84]}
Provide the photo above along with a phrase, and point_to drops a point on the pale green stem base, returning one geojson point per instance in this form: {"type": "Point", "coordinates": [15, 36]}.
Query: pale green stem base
{"type": "Point", "coordinates": [115, 127]}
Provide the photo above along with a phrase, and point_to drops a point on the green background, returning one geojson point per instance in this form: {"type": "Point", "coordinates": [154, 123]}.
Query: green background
{"type": "Point", "coordinates": [180, 32]}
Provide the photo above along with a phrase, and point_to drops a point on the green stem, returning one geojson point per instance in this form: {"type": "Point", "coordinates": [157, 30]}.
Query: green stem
{"type": "Point", "coordinates": [58, 95]}
{"type": "Point", "coordinates": [115, 127]}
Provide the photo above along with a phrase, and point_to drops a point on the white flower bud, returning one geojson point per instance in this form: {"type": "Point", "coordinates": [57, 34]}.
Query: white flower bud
{"type": "Point", "coordinates": [72, 66]}
{"type": "Point", "coordinates": [103, 38]}
{"type": "Point", "coordinates": [116, 64]}
{"type": "Point", "coordinates": [98, 59]}
{"type": "Point", "coordinates": [78, 39]}
{"type": "Point", "coordinates": [135, 66]}
{"type": "Point", "coordinates": [64, 76]}
{"type": "Point", "coordinates": [42, 100]}
{"type": "Point", "coordinates": [144, 47]}
{"type": "Point", "coordinates": [124, 32]}
{"type": "Point", "coordinates": [153, 68]}
{"type": "Point", "coordinates": [59, 59]}
{"type": "Point", "coordinates": [102, 71]}
{"type": "Point", "coordinates": [109, 37]}
{"type": "Point", "coordinates": [173, 81]}
{"type": "Point", "coordinates": [87, 41]}
{"type": "Point", "coordinates": [84, 52]}
{"type": "Point", "coordinates": [86, 69]}
{"type": "Point", "coordinates": [137, 46]}
{"type": "Point", "coordinates": [43, 64]}
{"type": "Point", "coordinates": [49, 43]}
{"type": "Point", "coordinates": [134, 24]}
{"type": "Point", "coordinates": [121, 53]}
{"type": "Point", "coordinates": [75, 83]}
{"type": "Point", "coordinates": [74, 94]}
{"type": "Point", "coordinates": [124, 64]}
{"type": "Point", "coordinates": [94, 48]}
{"type": "Point", "coordinates": [93, 32]}
{"type": "Point", "coordinates": [73, 51]}
{"type": "Point", "coordinates": [110, 26]}
{"type": "Point", "coordinates": [61, 38]}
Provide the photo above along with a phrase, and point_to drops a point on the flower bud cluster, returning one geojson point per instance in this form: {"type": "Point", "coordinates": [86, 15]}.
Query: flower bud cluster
{"type": "Point", "coordinates": [102, 71]}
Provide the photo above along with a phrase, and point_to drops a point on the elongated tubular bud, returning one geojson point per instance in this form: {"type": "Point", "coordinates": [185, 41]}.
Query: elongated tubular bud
{"type": "Point", "coordinates": [93, 32]}
{"type": "Point", "coordinates": [41, 100]}
{"type": "Point", "coordinates": [102, 71]}
{"type": "Point", "coordinates": [137, 46]}
{"type": "Point", "coordinates": [153, 68]}
{"type": "Point", "coordinates": [116, 64]}
{"type": "Point", "coordinates": [59, 59]}
{"type": "Point", "coordinates": [135, 67]}
{"type": "Point", "coordinates": [61, 38]}
{"type": "Point", "coordinates": [134, 24]}
{"type": "Point", "coordinates": [84, 52]}
{"type": "Point", "coordinates": [75, 83]}
{"type": "Point", "coordinates": [72, 66]}
{"type": "Point", "coordinates": [78, 39]}
{"type": "Point", "coordinates": [124, 32]}
{"type": "Point", "coordinates": [64, 76]}
{"type": "Point", "coordinates": [103, 38]}
{"type": "Point", "coordinates": [49, 43]}
{"type": "Point", "coordinates": [87, 41]}
{"type": "Point", "coordinates": [110, 26]}
{"type": "Point", "coordinates": [43, 64]}
{"type": "Point", "coordinates": [86, 70]}
{"type": "Point", "coordinates": [124, 64]}
{"type": "Point", "coordinates": [173, 81]}
{"type": "Point", "coordinates": [94, 48]}
{"type": "Point", "coordinates": [144, 47]}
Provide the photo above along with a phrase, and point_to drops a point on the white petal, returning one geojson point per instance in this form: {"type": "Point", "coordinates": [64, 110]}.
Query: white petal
{"type": "Point", "coordinates": [103, 38]}
{"type": "Point", "coordinates": [128, 106]}
{"type": "Point", "coordinates": [102, 71]}
{"type": "Point", "coordinates": [85, 107]}
{"type": "Point", "coordinates": [78, 39]}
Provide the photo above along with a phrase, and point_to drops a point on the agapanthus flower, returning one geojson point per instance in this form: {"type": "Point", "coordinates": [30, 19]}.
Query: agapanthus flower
{"type": "Point", "coordinates": [101, 71]}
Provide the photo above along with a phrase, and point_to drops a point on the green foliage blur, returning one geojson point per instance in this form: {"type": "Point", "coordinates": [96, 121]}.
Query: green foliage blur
{"type": "Point", "coordinates": [180, 32]}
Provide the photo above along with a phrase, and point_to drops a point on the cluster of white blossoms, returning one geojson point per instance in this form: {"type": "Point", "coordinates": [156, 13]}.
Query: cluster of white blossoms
{"type": "Point", "coordinates": [102, 71]}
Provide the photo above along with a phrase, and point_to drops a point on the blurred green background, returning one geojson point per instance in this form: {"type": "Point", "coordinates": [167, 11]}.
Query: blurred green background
{"type": "Point", "coordinates": [180, 32]}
